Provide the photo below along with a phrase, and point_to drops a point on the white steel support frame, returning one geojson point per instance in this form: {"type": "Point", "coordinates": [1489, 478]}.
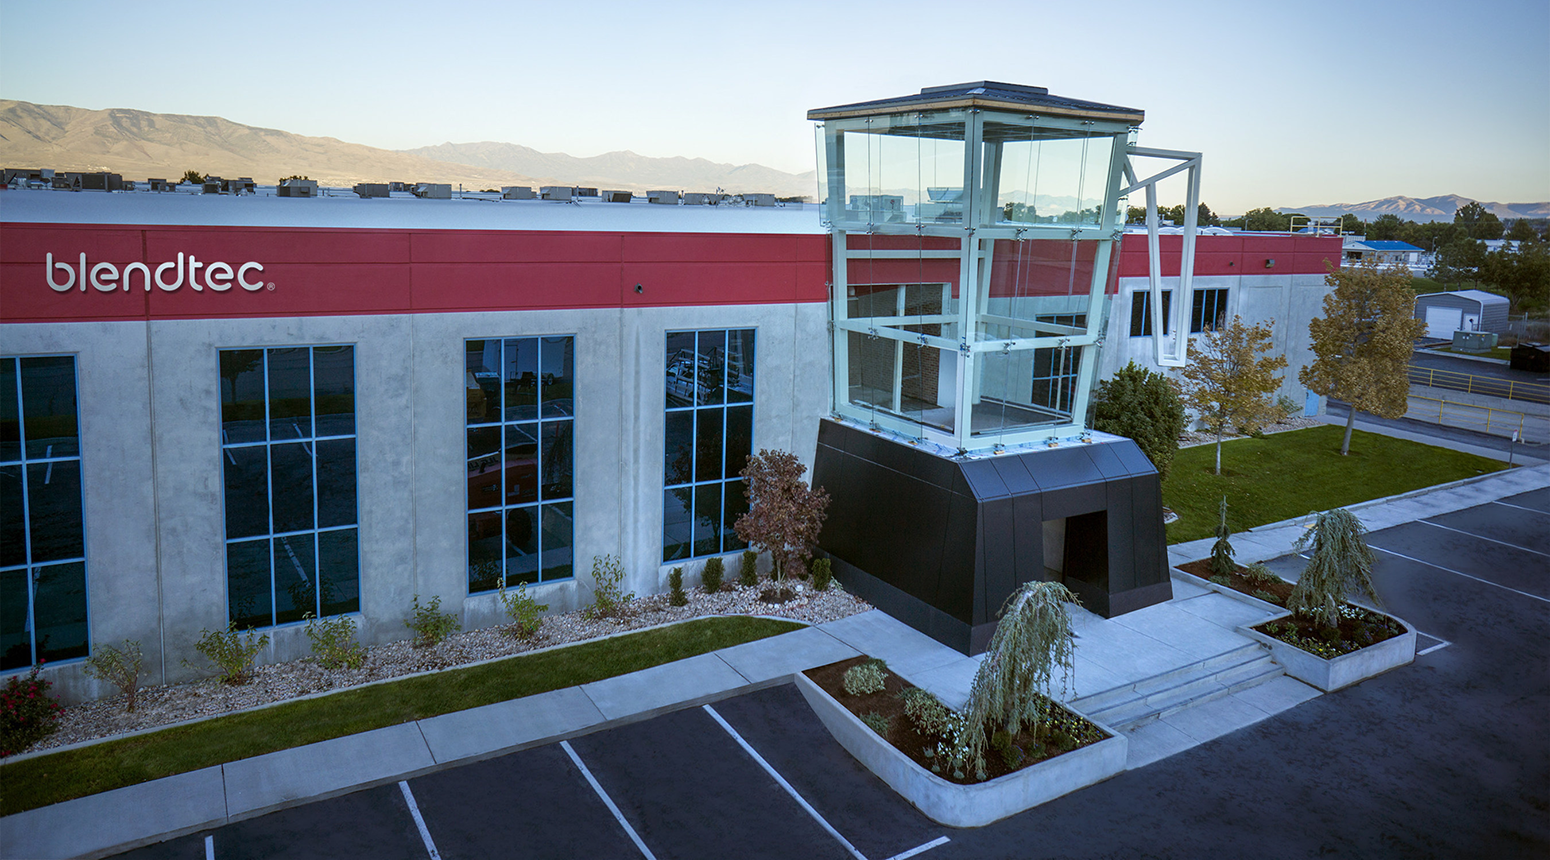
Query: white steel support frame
{"type": "Point", "coordinates": [1170, 344]}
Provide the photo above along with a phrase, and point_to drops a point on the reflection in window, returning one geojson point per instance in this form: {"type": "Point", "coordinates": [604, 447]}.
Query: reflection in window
{"type": "Point", "coordinates": [42, 535]}
{"type": "Point", "coordinates": [519, 394]}
{"type": "Point", "coordinates": [709, 435]}
{"type": "Point", "coordinates": [289, 467]}
{"type": "Point", "coordinates": [1209, 312]}
{"type": "Point", "coordinates": [1141, 312]}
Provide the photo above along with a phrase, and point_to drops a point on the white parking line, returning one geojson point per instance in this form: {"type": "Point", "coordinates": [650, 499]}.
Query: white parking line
{"type": "Point", "coordinates": [210, 847]}
{"type": "Point", "coordinates": [1461, 573]}
{"type": "Point", "coordinates": [1519, 507]}
{"type": "Point", "coordinates": [1483, 537]}
{"type": "Point", "coordinates": [1441, 643]}
{"type": "Point", "coordinates": [414, 809]}
{"type": "Point", "coordinates": [919, 849]}
{"type": "Point", "coordinates": [607, 801]}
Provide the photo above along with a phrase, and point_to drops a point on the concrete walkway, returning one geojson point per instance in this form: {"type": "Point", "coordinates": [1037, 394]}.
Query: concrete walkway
{"type": "Point", "coordinates": [1112, 656]}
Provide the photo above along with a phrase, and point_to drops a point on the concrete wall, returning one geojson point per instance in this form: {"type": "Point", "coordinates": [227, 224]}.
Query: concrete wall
{"type": "Point", "coordinates": [152, 477]}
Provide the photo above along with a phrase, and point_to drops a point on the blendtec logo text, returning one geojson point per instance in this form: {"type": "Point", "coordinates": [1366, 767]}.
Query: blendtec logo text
{"type": "Point", "coordinates": [107, 278]}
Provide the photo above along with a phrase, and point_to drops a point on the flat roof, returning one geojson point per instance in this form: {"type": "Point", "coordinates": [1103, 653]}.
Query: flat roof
{"type": "Point", "coordinates": [343, 209]}
{"type": "Point", "coordinates": [985, 94]}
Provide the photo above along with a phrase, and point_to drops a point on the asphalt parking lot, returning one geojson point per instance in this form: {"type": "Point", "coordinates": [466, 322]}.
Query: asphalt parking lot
{"type": "Point", "coordinates": [1448, 757]}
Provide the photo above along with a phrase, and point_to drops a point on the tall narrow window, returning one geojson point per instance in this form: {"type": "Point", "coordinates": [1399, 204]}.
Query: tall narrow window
{"type": "Point", "coordinates": [1209, 312]}
{"type": "Point", "coordinates": [709, 435]}
{"type": "Point", "coordinates": [42, 529]}
{"type": "Point", "coordinates": [1141, 312]}
{"type": "Point", "coordinates": [289, 462]}
{"type": "Point", "coordinates": [519, 392]}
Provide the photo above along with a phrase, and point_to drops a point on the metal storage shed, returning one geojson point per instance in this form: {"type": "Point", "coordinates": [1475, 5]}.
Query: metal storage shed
{"type": "Point", "coordinates": [1464, 310]}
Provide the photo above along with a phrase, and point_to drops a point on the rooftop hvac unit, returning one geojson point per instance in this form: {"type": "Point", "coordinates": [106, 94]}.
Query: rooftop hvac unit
{"type": "Point", "coordinates": [617, 196]}
{"type": "Point", "coordinates": [159, 185]}
{"type": "Point", "coordinates": [585, 192]}
{"type": "Point", "coordinates": [243, 185]}
{"type": "Point", "coordinates": [371, 189]}
{"type": "Point", "coordinates": [433, 191]}
{"type": "Point", "coordinates": [401, 186]}
{"type": "Point", "coordinates": [698, 199]}
{"type": "Point", "coordinates": [759, 199]}
{"type": "Point", "coordinates": [212, 185]}
{"type": "Point", "coordinates": [556, 192]}
{"type": "Point", "coordinates": [517, 192]}
{"type": "Point", "coordinates": [297, 188]}
{"type": "Point", "coordinates": [668, 197]}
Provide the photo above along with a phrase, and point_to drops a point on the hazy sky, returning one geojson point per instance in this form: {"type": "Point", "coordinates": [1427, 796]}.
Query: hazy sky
{"type": "Point", "coordinates": [1292, 103]}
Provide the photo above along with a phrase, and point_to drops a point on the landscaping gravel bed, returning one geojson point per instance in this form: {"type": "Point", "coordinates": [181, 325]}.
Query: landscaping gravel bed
{"type": "Point", "coordinates": [1190, 438]}
{"type": "Point", "coordinates": [163, 705]}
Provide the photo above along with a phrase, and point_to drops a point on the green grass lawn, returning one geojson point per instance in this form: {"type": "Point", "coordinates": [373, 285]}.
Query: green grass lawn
{"type": "Point", "coordinates": [1285, 475]}
{"type": "Point", "coordinates": [40, 781]}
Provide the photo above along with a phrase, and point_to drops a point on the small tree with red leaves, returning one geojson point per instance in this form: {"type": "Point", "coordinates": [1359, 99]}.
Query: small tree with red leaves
{"type": "Point", "coordinates": [784, 513]}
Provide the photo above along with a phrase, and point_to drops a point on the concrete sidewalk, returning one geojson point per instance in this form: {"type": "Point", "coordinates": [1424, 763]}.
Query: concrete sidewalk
{"type": "Point", "coordinates": [1125, 667]}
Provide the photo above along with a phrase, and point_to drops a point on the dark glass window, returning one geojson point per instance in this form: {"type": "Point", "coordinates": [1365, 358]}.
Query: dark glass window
{"type": "Point", "coordinates": [1209, 312]}
{"type": "Point", "coordinates": [42, 527]}
{"type": "Point", "coordinates": [289, 469]}
{"type": "Point", "coordinates": [520, 393]}
{"type": "Point", "coordinates": [709, 435]}
{"type": "Point", "coordinates": [1141, 312]}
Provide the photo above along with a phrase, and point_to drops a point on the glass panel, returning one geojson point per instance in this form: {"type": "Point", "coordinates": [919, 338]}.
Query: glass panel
{"type": "Point", "coordinates": [10, 413]}
{"type": "Point", "coordinates": [736, 506]}
{"type": "Point", "coordinates": [1014, 396]}
{"type": "Point", "coordinates": [339, 577]}
{"type": "Point", "coordinates": [1139, 326]}
{"type": "Point", "coordinates": [242, 395]}
{"type": "Point", "coordinates": [484, 551]}
{"type": "Point", "coordinates": [557, 460]}
{"type": "Point", "coordinates": [247, 583]}
{"type": "Point", "coordinates": [15, 642]}
{"type": "Point", "coordinates": [680, 369]}
{"type": "Point", "coordinates": [336, 483]}
{"type": "Point", "coordinates": [679, 465]}
{"type": "Point", "coordinates": [290, 486]}
{"type": "Point", "coordinates": [522, 473]}
{"type": "Point", "coordinates": [521, 545]}
{"type": "Point", "coordinates": [712, 361]}
{"type": "Point", "coordinates": [707, 519]}
{"type": "Point", "coordinates": [484, 466]}
{"type": "Point", "coordinates": [481, 377]}
{"type": "Point", "coordinates": [247, 491]}
{"type": "Point", "coordinates": [898, 169]}
{"type": "Point", "coordinates": [739, 439]}
{"type": "Point", "coordinates": [872, 363]}
{"type": "Point", "coordinates": [676, 531]}
{"type": "Point", "coordinates": [333, 378]}
{"type": "Point", "coordinates": [59, 611]}
{"type": "Point", "coordinates": [707, 444]}
{"type": "Point", "coordinates": [559, 528]}
{"type": "Point", "coordinates": [558, 366]}
{"type": "Point", "coordinates": [48, 406]}
{"type": "Point", "coordinates": [290, 393]}
{"type": "Point", "coordinates": [1060, 175]}
{"type": "Point", "coordinates": [520, 375]}
{"type": "Point", "coordinates": [54, 510]}
{"type": "Point", "coordinates": [740, 364]}
{"type": "Point", "coordinates": [295, 577]}
{"type": "Point", "coordinates": [13, 525]}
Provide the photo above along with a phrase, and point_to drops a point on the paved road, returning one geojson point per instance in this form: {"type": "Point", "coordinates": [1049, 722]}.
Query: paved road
{"type": "Point", "coordinates": [1535, 433]}
{"type": "Point", "coordinates": [1448, 757]}
{"type": "Point", "coordinates": [1479, 377]}
{"type": "Point", "coordinates": [1443, 361]}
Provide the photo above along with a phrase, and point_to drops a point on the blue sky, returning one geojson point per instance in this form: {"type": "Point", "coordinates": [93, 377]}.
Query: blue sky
{"type": "Point", "coordinates": [1291, 103]}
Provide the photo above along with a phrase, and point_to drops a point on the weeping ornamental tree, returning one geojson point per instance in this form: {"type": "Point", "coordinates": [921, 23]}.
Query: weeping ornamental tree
{"type": "Point", "coordinates": [1362, 344]}
{"type": "Point", "coordinates": [1229, 381]}
{"type": "Point", "coordinates": [1222, 563]}
{"type": "Point", "coordinates": [784, 515]}
{"type": "Point", "coordinates": [1340, 561]}
{"type": "Point", "coordinates": [1014, 685]}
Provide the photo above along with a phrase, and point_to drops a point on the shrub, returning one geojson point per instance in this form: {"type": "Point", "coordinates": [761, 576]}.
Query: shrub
{"type": "Point", "coordinates": [1222, 563]}
{"type": "Point", "coordinates": [429, 623]}
{"type": "Point", "coordinates": [333, 642]}
{"type": "Point", "coordinates": [232, 653]}
{"type": "Point", "coordinates": [1264, 595]}
{"type": "Point", "coordinates": [1144, 406]}
{"type": "Point", "coordinates": [1288, 407]}
{"type": "Point", "coordinates": [930, 716]}
{"type": "Point", "coordinates": [675, 582]}
{"type": "Point", "coordinates": [710, 575]}
{"type": "Point", "coordinates": [1011, 754]}
{"type": "Point", "coordinates": [823, 574]}
{"type": "Point", "coordinates": [28, 714]}
{"type": "Point", "coordinates": [525, 612]}
{"type": "Point", "coordinates": [1258, 572]}
{"type": "Point", "coordinates": [119, 666]}
{"type": "Point", "coordinates": [1221, 580]}
{"type": "Point", "coordinates": [608, 599]}
{"type": "Point", "coordinates": [750, 572]}
{"type": "Point", "coordinates": [877, 722]}
{"type": "Point", "coordinates": [1340, 561]}
{"type": "Point", "coordinates": [864, 679]}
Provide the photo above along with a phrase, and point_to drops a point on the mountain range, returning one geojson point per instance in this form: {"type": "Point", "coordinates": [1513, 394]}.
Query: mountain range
{"type": "Point", "coordinates": [139, 144]}
{"type": "Point", "coordinates": [1421, 209]}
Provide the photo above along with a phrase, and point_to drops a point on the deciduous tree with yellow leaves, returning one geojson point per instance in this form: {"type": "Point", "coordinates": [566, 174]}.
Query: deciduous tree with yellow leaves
{"type": "Point", "coordinates": [1229, 380]}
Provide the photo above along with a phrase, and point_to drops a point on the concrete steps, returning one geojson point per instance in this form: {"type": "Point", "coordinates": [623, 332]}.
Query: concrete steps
{"type": "Point", "coordinates": [1128, 706]}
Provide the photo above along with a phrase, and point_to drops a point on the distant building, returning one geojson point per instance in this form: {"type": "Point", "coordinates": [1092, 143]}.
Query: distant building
{"type": "Point", "coordinates": [1462, 310]}
{"type": "Point", "coordinates": [1387, 254]}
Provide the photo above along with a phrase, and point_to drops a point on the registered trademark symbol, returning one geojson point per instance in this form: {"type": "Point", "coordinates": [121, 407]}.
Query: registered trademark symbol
{"type": "Point", "coordinates": [270, 286]}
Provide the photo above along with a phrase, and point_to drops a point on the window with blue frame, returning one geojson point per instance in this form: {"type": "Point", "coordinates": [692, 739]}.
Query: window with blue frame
{"type": "Point", "coordinates": [1141, 312]}
{"type": "Point", "coordinates": [42, 527]}
{"type": "Point", "coordinates": [288, 459]}
{"type": "Point", "coordinates": [708, 438]}
{"type": "Point", "coordinates": [520, 396]}
{"type": "Point", "coordinates": [1209, 312]}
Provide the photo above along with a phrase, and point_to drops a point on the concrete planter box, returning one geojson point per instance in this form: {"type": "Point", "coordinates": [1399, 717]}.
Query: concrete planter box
{"type": "Point", "coordinates": [966, 805]}
{"type": "Point", "coordinates": [1235, 594]}
{"type": "Point", "coordinates": [1342, 671]}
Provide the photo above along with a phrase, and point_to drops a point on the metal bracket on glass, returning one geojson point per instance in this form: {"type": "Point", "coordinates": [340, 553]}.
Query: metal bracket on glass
{"type": "Point", "coordinates": [924, 341]}
{"type": "Point", "coordinates": [872, 333]}
{"type": "Point", "coordinates": [964, 349]}
{"type": "Point", "coordinates": [1006, 348]}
